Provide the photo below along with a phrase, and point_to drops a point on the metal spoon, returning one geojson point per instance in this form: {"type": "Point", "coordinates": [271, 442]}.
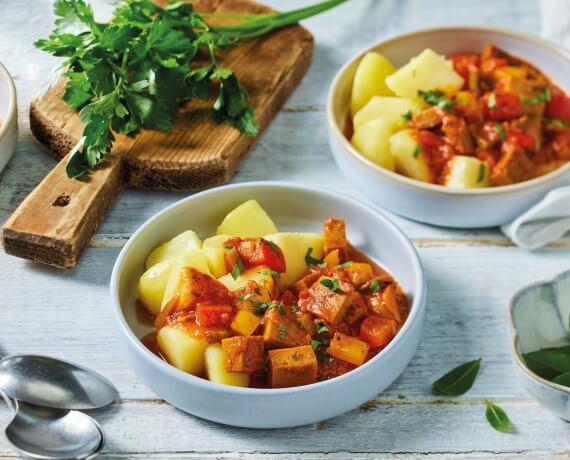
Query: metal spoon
{"type": "Point", "coordinates": [49, 382]}
{"type": "Point", "coordinates": [52, 434]}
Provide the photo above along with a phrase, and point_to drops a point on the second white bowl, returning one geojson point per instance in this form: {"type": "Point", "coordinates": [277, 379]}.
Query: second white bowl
{"type": "Point", "coordinates": [430, 203]}
{"type": "Point", "coordinates": [293, 208]}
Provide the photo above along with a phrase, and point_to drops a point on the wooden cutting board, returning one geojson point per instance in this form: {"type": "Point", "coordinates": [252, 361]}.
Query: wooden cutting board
{"type": "Point", "coordinates": [57, 220]}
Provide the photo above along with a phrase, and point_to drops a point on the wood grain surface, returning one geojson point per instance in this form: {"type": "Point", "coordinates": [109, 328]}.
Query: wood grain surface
{"type": "Point", "coordinates": [471, 275]}
{"type": "Point", "coordinates": [58, 218]}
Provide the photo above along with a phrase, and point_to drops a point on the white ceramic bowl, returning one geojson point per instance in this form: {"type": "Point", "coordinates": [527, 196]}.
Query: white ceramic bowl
{"type": "Point", "coordinates": [539, 317]}
{"type": "Point", "coordinates": [430, 203]}
{"type": "Point", "coordinates": [8, 117]}
{"type": "Point", "coordinates": [293, 208]}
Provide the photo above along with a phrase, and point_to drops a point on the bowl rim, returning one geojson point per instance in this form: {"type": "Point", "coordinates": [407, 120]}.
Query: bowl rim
{"type": "Point", "coordinates": [6, 123]}
{"type": "Point", "coordinates": [416, 309]}
{"type": "Point", "coordinates": [515, 335]}
{"type": "Point", "coordinates": [336, 131]}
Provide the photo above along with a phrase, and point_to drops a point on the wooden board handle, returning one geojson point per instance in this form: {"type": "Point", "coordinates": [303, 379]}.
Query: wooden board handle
{"type": "Point", "coordinates": [57, 220]}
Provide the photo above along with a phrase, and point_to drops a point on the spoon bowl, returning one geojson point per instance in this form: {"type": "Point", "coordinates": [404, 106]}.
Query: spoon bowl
{"type": "Point", "coordinates": [53, 383]}
{"type": "Point", "coordinates": [50, 434]}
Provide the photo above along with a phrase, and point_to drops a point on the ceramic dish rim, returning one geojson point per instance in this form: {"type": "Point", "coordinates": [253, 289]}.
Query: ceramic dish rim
{"type": "Point", "coordinates": [416, 309]}
{"type": "Point", "coordinates": [424, 186]}
{"type": "Point", "coordinates": [6, 123]}
{"type": "Point", "coordinates": [515, 336]}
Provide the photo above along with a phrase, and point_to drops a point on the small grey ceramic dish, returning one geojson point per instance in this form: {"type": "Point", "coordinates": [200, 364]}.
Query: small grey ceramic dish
{"type": "Point", "coordinates": [293, 208]}
{"type": "Point", "coordinates": [8, 117]}
{"type": "Point", "coordinates": [539, 316]}
{"type": "Point", "coordinates": [432, 203]}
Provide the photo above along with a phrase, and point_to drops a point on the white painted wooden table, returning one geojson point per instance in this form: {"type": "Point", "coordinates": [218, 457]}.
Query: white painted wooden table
{"type": "Point", "coordinates": [471, 275]}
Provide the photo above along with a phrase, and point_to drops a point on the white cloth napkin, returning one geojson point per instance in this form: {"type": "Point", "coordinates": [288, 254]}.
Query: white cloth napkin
{"type": "Point", "coordinates": [549, 220]}
{"type": "Point", "coordinates": [546, 221]}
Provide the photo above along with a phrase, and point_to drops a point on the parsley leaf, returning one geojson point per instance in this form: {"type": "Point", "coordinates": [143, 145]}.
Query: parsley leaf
{"type": "Point", "coordinates": [501, 131]}
{"type": "Point", "coordinates": [437, 98]}
{"type": "Point", "coordinates": [315, 344]}
{"type": "Point", "coordinates": [330, 283]}
{"type": "Point", "coordinates": [408, 116]}
{"type": "Point", "coordinates": [237, 269]}
{"type": "Point", "coordinates": [417, 151]}
{"type": "Point", "coordinates": [134, 71]}
{"type": "Point", "coordinates": [282, 331]}
{"type": "Point", "coordinates": [321, 328]}
{"type": "Point", "coordinates": [544, 96]}
{"type": "Point", "coordinates": [310, 260]}
{"type": "Point", "coordinates": [492, 101]}
{"type": "Point", "coordinates": [374, 286]}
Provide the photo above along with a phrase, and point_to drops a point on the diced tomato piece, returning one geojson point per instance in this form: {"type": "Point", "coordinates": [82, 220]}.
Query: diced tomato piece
{"type": "Point", "coordinates": [521, 139]}
{"type": "Point", "coordinates": [438, 153]}
{"type": "Point", "coordinates": [254, 252]}
{"type": "Point", "coordinates": [288, 298]}
{"type": "Point", "coordinates": [501, 107]}
{"type": "Point", "coordinates": [209, 315]}
{"type": "Point", "coordinates": [464, 64]}
{"type": "Point", "coordinates": [559, 105]}
{"type": "Point", "coordinates": [378, 332]}
{"type": "Point", "coordinates": [489, 65]}
{"type": "Point", "coordinates": [561, 146]}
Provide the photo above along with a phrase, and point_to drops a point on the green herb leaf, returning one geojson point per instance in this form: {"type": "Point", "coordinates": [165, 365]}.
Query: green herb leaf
{"type": "Point", "coordinates": [408, 116]}
{"type": "Point", "coordinates": [344, 265]}
{"type": "Point", "coordinates": [282, 331]}
{"type": "Point", "coordinates": [417, 151]}
{"type": "Point", "coordinates": [563, 379]}
{"type": "Point", "coordinates": [544, 96]}
{"type": "Point", "coordinates": [321, 328]}
{"type": "Point", "coordinates": [330, 283]}
{"type": "Point", "coordinates": [237, 269]}
{"type": "Point", "coordinates": [481, 176]}
{"type": "Point", "coordinates": [459, 380]}
{"type": "Point", "coordinates": [273, 246]}
{"type": "Point", "coordinates": [315, 344]}
{"type": "Point", "coordinates": [501, 131]}
{"type": "Point", "coordinates": [310, 260]}
{"type": "Point", "coordinates": [260, 308]}
{"type": "Point", "coordinates": [556, 122]}
{"type": "Point", "coordinates": [374, 286]}
{"type": "Point", "coordinates": [436, 97]}
{"type": "Point", "coordinates": [244, 297]}
{"type": "Point", "coordinates": [497, 418]}
{"type": "Point", "coordinates": [271, 273]}
{"type": "Point", "coordinates": [549, 363]}
{"type": "Point", "coordinates": [228, 247]}
{"type": "Point", "coordinates": [492, 101]}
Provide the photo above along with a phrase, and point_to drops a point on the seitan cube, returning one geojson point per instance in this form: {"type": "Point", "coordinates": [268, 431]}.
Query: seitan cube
{"type": "Point", "coordinates": [243, 354]}
{"type": "Point", "coordinates": [335, 237]}
{"type": "Point", "coordinates": [283, 331]}
{"type": "Point", "coordinates": [291, 367]}
{"type": "Point", "coordinates": [326, 304]}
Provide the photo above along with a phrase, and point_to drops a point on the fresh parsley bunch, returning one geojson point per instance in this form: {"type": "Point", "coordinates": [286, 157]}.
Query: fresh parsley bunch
{"type": "Point", "coordinates": [134, 71]}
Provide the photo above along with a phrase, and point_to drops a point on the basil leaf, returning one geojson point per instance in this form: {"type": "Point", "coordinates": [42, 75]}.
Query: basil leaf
{"type": "Point", "coordinates": [549, 363]}
{"type": "Point", "coordinates": [459, 380]}
{"type": "Point", "coordinates": [563, 379]}
{"type": "Point", "coordinates": [497, 418]}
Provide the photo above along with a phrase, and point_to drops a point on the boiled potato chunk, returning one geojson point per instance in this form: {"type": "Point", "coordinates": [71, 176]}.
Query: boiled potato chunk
{"type": "Point", "coordinates": [216, 369]}
{"type": "Point", "coordinates": [391, 109]}
{"type": "Point", "coordinates": [214, 249]}
{"type": "Point", "coordinates": [194, 258]}
{"type": "Point", "coordinates": [410, 160]}
{"type": "Point", "coordinates": [467, 172]}
{"type": "Point", "coordinates": [294, 247]}
{"type": "Point", "coordinates": [248, 220]}
{"type": "Point", "coordinates": [373, 141]}
{"type": "Point", "coordinates": [427, 71]}
{"type": "Point", "coordinates": [369, 80]}
{"type": "Point", "coordinates": [182, 349]}
{"type": "Point", "coordinates": [261, 275]}
{"type": "Point", "coordinates": [152, 285]}
{"type": "Point", "coordinates": [183, 242]}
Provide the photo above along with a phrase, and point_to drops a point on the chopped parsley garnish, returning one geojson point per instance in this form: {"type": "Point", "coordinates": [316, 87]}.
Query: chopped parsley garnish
{"type": "Point", "coordinates": [279, 307]}
{"type": "Point", "coordinates": [273, 246]}
{"type": "Point", "coordinates": [237, 269]}
{"type": "Point", "coordinates": [260, 308]}
{"type": "Point", "coordinates": [437, 98]}
{"type": "Point", "coordinates": [542, 97]}
{"type": "Point", "coordinates": [282, 331]}
{"type": "Point", "coordinates": [501, 132]}
{"type": "Point", "coordinates": [228, 247]}
{"type": "Point", "coordinates": [374, 286]}
{"type": "Point", "coordinates": [417, 151]}
{"type": "Point", "coordinates": [481, 173]}
{"type": "Point", "coordinates": [310, 260]}
{"type": "Point", "coordinates": [271, 273]}
{"type": "Point", "coordinates": [408, 116]}
{"type": "Point", "coordinates": [321, 328]}
{"type": "Point", "coordinates": [315, 344]}
{"type": "Point", "coordinates": [245, 296]}
{"type": "Point", "coordinates": [346, 264]}
{"type": "Point", "coordinates": [556, 122]}
{"type": "Point", "coordinates": [330, 283]}
{"type": "Point", "coordinates": [492, 101]}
